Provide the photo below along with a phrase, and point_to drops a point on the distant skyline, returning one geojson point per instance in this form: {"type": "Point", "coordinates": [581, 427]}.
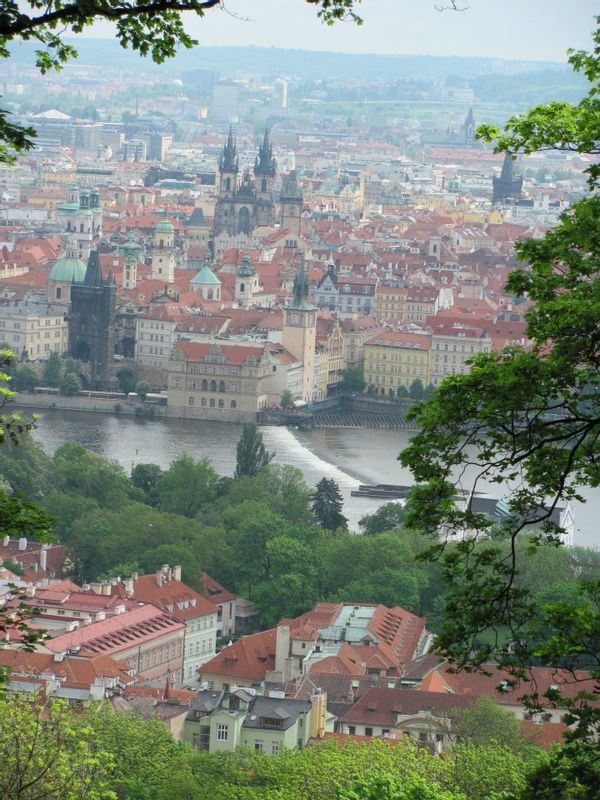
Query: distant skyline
{"type": "Point", "coordinates": [530, 30]}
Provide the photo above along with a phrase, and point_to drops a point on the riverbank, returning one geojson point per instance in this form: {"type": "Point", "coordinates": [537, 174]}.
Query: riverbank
{"type": "Point", "coordinates": [93, 405]}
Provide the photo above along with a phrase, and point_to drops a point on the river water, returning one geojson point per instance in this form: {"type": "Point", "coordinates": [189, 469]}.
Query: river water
{"type": "Point", "coordinates": [348, 455]}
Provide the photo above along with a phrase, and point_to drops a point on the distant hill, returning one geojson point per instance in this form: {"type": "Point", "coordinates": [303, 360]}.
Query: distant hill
{"type": "Point", "coordinates": [311, 65]}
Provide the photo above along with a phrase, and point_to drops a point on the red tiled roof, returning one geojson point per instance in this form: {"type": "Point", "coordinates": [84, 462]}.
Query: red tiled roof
{"type": "Point", "coordinates": [170, 596]}
{"type": "Point", "coordinates": [382, 706]}
{"type": "Point", "coordinates": [233, 354]}
{"type": "Point", "coordinates": [250, 658]}
{"type": "Point", "coordinates": [120, 633]}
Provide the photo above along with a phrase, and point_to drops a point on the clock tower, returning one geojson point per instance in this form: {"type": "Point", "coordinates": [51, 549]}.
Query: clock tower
{"type": "Point", "coordinates": [300, 330]}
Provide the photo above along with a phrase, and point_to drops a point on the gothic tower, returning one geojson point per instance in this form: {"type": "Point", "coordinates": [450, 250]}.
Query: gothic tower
{"type": "Point", "coordinates": [508, 185]}
{"type": "Point", "coordinates": [291, 204]}
{"type": "Point", "coordinates": [163, 255]}
{"type": "Point", "coordinates": [92, 320]}
{"type": "Point", "coordinates": [469, 127]}
{"type": "Point", "coordinates": [229, 168]}
{"type": "Point", "coordinates": [265, 168]}
{"type": "Point", "coordinates": [300, 330]}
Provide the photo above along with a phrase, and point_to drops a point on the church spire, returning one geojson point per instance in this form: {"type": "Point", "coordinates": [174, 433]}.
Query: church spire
{"type": "Point", "coordinates": [229, 161]}
{"type": "Point", "coordinates": [93, 273]}
{"type": "Point", "coordinates": [265, 164]}
{"type": "Point", "coordinates": [300, 299]}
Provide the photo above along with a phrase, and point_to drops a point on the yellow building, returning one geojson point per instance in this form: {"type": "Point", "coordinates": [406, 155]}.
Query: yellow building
{"type": "Point", "coordinates": [401, 304]}
{"type": "Point", "coordinates": [215, 381]}
{"type": "Point", "coordinates": [33, 329]}
{"type": "Point", "coordinates": [331, 340]}
{"type": "Point", "coordinates": [396, 358]}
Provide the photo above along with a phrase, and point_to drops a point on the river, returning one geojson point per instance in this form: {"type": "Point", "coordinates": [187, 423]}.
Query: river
{"type": "Point", "coordinates": [348, 455]}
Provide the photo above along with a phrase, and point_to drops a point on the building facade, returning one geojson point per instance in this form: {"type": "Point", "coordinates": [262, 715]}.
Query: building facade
{"type": "Point", "coordinates": [245, 203]}
{"type": "Point", "coordinates": [81, 219]}
{"type": "Point", "coordinates": [211, 380]}
{"type": "Point", "coordinates": [395, 359]}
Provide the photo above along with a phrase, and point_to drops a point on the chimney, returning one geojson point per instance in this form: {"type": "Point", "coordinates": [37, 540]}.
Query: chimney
{"type": "Point", "coordinates": [22, 543]}
{"type": "Point", "coordinates": [106, 589]}
{"type": "Point", "coordinates": [128, 584]}
{"type": "Point", "coordinates": [30, 591]}
{"type": "Point", "coordinates": [282, 647]}
{"type": "Point", "coordinates": [59, 655]}
{"type": "Point", "coordinates": [177, 573]}
{"type": "Point", "coordinates": [44, 557]}
{"type": "Point", "coordinates": [6, 541]}
{"type": "Point", "coordinates": [159, 578]}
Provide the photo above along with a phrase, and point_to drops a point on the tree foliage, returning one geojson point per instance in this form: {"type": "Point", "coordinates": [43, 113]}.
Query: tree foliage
{"type": "Point", "coordinates": [251, 454]}
{"type": "Point", "coordinates": [47, 754]}
{"type": "Point", "coordinates": [353, 381]}
{"type": "Point", "coordinates": [528, 421]}
{"type": "Point", "coordinates": [327, 505]}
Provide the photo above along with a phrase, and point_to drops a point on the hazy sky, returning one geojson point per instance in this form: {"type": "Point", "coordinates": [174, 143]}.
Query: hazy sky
{"type": "Point", "coordinates": [519, 29]}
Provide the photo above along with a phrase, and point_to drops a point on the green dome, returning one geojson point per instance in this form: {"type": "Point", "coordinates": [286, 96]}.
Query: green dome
{"type": "Point", "coordinates": [164, 226]}
{"type": "Point", "coordinates": [206, 277]}
{"type": "Point", "coordinates": [68, 269]}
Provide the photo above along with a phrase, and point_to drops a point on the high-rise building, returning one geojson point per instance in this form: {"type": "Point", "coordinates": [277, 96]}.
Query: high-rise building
{"type": "Point", "coordinates": [280, 93]}
{"type": "Point", "coordinates": [225, 100]}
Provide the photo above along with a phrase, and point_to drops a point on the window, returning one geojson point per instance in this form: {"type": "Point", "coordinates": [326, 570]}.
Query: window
{"type": "Point", "coordinates": [368, 731]}
{"type": "Point", "coordinates": [351, 729]}
{"type": "Point", "coordinates": [213, 386]}
{"type": "Point", "coordinates": [205, 385]}
{"type": "Point", "coordinates": [221, 386]}
{"type": "Point", "coordinates": [258, 745]}
{"type": "Point", "coordinates": [275, 747]}
{"type": "Point", "coordinates": [58, 292]}
{"type": "Point", "coordinates": [203, 401]}
{"type": "Point", "coordinates": [233, 404]}
{"type": "Point", "coordinates": [212, 402]}
{"type": "Point", "coordinates": [222, 732]}
{"type": "Point", "coordinates": [221, 403]}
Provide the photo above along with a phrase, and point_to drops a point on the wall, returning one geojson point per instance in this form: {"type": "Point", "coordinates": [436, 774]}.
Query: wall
{"type": "Point", "coordinates": [92, 404]}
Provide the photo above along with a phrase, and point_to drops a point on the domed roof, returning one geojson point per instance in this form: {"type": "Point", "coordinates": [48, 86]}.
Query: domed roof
{"type": "Point", "coordinates": [206, 277]}
{"type": "Point", "coordinates": [69, 268]}
{"type": "Point", "coordinates": [164, 226]}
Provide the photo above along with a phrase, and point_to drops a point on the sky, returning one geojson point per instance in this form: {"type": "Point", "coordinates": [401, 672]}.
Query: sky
{"type": "Point", "coordinates": [509, 29]}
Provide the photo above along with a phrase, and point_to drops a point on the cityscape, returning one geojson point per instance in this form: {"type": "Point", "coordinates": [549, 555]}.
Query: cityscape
{"type": "Point", "coordinates": [298, 475]}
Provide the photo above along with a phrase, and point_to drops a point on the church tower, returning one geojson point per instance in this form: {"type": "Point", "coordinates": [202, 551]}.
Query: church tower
{"type": "Point", "coordinates": [229, 167]}
{"type": "Point", "coordinates": [291, 204]}
{"type": "Point", "coordinates": [131, 255]}
{"type": "Point", "coordinates": [246, 283]}
{"type": "Point", "coordinates": [300, 330]}
{"type": "Point", "coordinates": [469, 127]}
{"type": "Point", "coordinates": [163, 254]}
{"type": "Point", "coordinates": [265, 168]}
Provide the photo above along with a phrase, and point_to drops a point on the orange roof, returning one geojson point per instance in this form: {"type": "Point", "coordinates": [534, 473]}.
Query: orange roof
{"type": "Point", "coordinates": [172, 596]}
{"type": "Point", "coordinates": [75, 671]}
{"type": "Point", "coordinates": [250, 658]}
{"type": "Point", "coordinates": [233, 354]}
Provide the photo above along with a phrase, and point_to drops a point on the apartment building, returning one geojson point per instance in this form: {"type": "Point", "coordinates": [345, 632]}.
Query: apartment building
{"type": "Point", "coordinates": [402, 304]}
{"type": "Point", "coordinates": [396, 358]}
{"type": "Point", "coordinates": [452, 346]}
{"type": "Point", "coordinates": [33, 329]}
